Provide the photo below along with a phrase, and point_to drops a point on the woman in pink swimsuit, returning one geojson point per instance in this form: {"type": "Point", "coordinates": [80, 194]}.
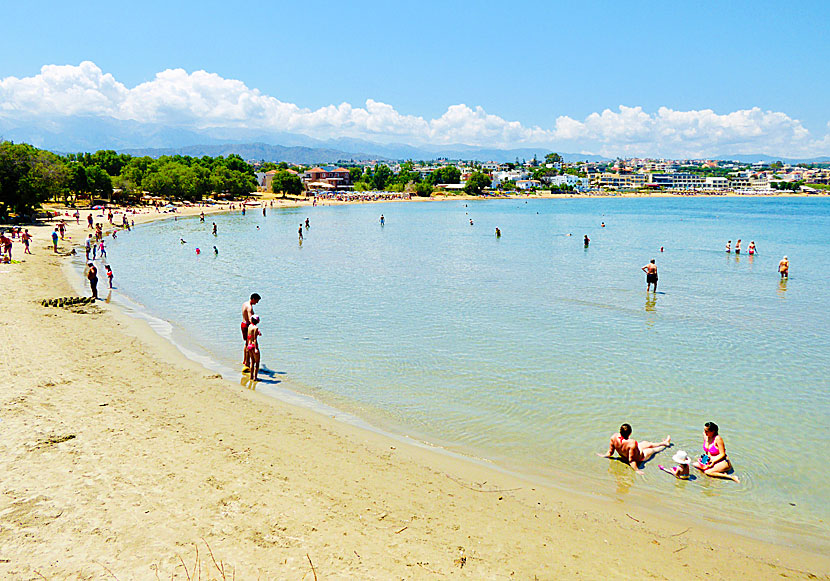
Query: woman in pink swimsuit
{"type": "Point", "coordinates": [714, 461]}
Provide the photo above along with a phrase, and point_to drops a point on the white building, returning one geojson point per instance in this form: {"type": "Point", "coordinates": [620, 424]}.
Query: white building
{"type": "Point", "coordinates": [528, 184]}
{"type": "Point", "coordinates": [505, 176]}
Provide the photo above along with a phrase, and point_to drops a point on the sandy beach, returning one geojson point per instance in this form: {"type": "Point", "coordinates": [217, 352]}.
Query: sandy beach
{"type": "Point", "coordinates": [124, 460]}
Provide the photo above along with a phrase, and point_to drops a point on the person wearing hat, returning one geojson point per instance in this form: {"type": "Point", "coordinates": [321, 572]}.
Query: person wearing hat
{"type": "Point", "coordinates": [680, 471]}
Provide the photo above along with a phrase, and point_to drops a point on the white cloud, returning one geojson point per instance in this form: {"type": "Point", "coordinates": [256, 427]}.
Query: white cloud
{"type": "Point", "coordinates": [202, 100]}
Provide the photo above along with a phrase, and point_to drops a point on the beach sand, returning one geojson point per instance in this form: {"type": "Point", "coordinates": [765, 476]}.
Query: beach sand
{"type": "Point", "coordinates": [121, 459]}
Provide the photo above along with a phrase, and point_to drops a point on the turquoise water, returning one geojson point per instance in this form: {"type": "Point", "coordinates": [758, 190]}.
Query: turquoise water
{"type": "Point", "coordinates": [530, 350]}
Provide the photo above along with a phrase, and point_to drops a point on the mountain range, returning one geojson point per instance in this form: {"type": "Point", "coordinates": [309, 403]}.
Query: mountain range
{"type": "Point", "coordinates": [74, 134]}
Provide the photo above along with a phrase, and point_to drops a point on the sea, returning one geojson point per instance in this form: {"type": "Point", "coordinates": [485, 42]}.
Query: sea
{"type": "Point", "coordinates": [528, 350]}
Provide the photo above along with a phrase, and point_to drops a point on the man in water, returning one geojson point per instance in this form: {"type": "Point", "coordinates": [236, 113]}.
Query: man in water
{"type": "Point", "coordinates": [382, 220]}
{"type": "Point", "coordinates": [300, 232]}
{"type": "Point", "coordinates": [307, 223]}
{"type": "Point", "coordinates": [632, 452]}
{"type": "Point", "coordinates": [498, 233]}
{"type": "Point", "coordinates": [587, 241]}
{"type": "Point", "coordinates": [651, 275]}
{"type": "Point", "coordinates": [214, 228]}
{"type": "Point", "coordinates": [247, 313]}
{"type": "Point", "coordinates": [784, 268]}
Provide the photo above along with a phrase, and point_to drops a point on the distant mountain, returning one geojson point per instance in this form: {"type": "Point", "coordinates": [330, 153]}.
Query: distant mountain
{"type": "Point", "coordinates": [263, 151]}
{"type": "Point", "coordinates": [763, 158]}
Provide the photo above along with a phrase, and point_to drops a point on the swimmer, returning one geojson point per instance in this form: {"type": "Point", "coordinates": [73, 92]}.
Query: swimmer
{"type": "Point", "coordinates": [661, 249]}
{"type": "Point", "coordinates": [587, 241]}
{"type": "Point", "coordinates": [198, 251]}
{"type": "Point", "coordinates": [471, 221]}
{"type": "Point", "coordinates": [602, 225]}
{"type": "Point", "coordinates": [182, 241]}
{"type": "Point", "coordinates": [215, 251]}
{"type": "Point", "coordinates": [498, 233]}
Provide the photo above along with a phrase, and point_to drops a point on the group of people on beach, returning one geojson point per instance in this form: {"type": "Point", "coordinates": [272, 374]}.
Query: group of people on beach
{"type": "Point", "coordinates": [712, 462]}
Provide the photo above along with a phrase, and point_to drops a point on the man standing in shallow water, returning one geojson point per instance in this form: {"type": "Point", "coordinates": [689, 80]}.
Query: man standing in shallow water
{"type": "Point", "coordinates": [247, 313]}
{"type": "Point", "coordinates": [651, 275]}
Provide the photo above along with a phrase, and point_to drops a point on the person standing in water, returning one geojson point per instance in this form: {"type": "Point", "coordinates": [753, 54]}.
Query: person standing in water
{"type": "Point", "coordinates": [587, 241]}
{"type": "Point", "coordinates": [247, 313]}
{"type": "Point", "coordinates": [751, 247]}
{"type": "Point", "coordinates": [307, 224]}
{"type": "Point", "coordinates": [738, 246]}
{"type": "Point", "coordinates": [382, 220]}
{"type": "Point", "coordinates": [651, 275]}
{"type": "Point", "coordinates": [784, 268]}
{"type": "Point", "coordinates": [300, 232]}
{"type": "Point", "coordinates": [214, 228]}
{"type": "Point", "coordinates": [252, 347]}
{"type": "Point", "coordinates": [498, 233]}
{"type": "Point", "coordinates": [729, 246]}
{"type": "Point", "coordinates": [109, 274]}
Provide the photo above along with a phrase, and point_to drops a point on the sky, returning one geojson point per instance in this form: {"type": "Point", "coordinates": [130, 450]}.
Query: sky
{"type": "Point", "coordinates": [614, 78]}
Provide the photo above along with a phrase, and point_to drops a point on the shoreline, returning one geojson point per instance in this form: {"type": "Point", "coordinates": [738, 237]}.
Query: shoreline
{"type": "Point", "coordinates": [498, 536]}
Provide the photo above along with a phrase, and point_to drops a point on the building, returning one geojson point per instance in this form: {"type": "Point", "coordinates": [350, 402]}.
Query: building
{"type": "Point", "coordinates": [625, 181]}
{"type": "Point", "coordinates": [528, 184]}
{"type": "Point", "coordinates": [335, 177]}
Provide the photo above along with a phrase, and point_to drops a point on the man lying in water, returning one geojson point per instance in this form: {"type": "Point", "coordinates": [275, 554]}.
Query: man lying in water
{"type": "Point", "coordinates": [630, 450]}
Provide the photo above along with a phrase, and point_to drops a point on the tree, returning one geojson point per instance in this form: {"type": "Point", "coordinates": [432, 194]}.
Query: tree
{"type": "Point", "coordinates": [381, 177]}
{"type": "Point", "coordinates": [28, 177]}
{"type": "Point", "coordinates": [423, 189]}
{"type": "Point", "coordinates": [553, 158]}
{"type": "Point", "coordinates": [477, 182]}
{"type": "Point", "coordinates": [448, 174]}
{"type": "Point", "coordinates": [355, 173]}
{"type": "Point", "coordinates": [287, 183]}
{"type": "Point", "coordinates": [98, 182]}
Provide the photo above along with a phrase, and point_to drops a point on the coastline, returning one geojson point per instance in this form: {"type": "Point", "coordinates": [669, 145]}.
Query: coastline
{"type": "Point", "coordinates": [284, 482]}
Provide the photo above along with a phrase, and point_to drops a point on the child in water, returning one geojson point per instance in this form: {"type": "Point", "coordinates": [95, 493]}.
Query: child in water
{"type": "Point", "coordinates": [109, 274]}
{"type": "Point", "coordinates": [681, 471]}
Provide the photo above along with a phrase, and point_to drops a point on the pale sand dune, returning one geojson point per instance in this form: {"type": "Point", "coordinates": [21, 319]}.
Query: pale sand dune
{"type": "Point", "coordinates": [118, 457]}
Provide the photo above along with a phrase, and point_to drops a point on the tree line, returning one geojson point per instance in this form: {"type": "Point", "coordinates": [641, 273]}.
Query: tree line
{"type": "Point", "coordinates": [30, 176]}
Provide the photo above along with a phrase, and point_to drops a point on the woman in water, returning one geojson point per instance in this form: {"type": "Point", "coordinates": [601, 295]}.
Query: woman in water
{"type": "Point", "coordinates": [714, 462]}
{"type": "Point", "coordinates": [751, 247]}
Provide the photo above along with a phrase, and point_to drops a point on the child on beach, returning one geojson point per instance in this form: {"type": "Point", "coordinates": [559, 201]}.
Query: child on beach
{"type": "Point", "coordinates": [109, 274]}
{"type": "Point", "coordinates": [253, 346]}
{"type": "Point", "coordinates": [681, 471]}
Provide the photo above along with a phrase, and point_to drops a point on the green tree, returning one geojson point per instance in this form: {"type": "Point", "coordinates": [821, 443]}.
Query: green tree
{"type": "Point", "coordinates": [423, 189]}
{"type": "Point", "coordinates": [28, 177]}
{"type": "Point", "coordinates": [477, 182]}
{"type": "Point", "coordinates": [99, 182]}
{"type": "Point", "coordinates": [553, 158]}
{"type": "Point", "coordinates": [355, 173]}
{"type": "Point", "coordinates": [447, 174]}
{"type": "Point", "coordinates": [285, 182]}
{"type": "Point", "coordinates": [381, 177]}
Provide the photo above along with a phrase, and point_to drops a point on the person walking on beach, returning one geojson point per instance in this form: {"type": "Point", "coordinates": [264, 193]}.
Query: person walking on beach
{"type": "Point", "coordinates": [651, 275]}
{"type": "Point", "coordinates": [252, 347]}
{"type": "Point", "coordinates": [784, 268]}
{"type": "Point", "coordinates": [26, 238]}
{"type": "Point", "coordinates": [630, 450]}
{"type": "Point", "coordinates": [77, 217]}
{"type": "Point", "coordinates": [89, 220]}
{"type": "Point", "coordinates": [714, 462]}
{"type": "Point", "coordinates": [92, 277]}
{"type": "Point", "coordinates": [247, 313]}
{"type": "Point", "coordinates": [6, 242]}
{"type": "Point", "coordinates": [202, 217]}
{"type": "Point", "coordinates": [62, 228]}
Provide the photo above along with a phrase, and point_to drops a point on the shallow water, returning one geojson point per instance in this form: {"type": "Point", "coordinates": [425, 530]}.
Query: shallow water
{"type": "Point", "coordinates": [530, 349]}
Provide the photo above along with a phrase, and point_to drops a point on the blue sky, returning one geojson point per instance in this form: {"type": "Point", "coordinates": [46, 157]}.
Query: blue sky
{"type": "Point", "coordinates": [533, 63]}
